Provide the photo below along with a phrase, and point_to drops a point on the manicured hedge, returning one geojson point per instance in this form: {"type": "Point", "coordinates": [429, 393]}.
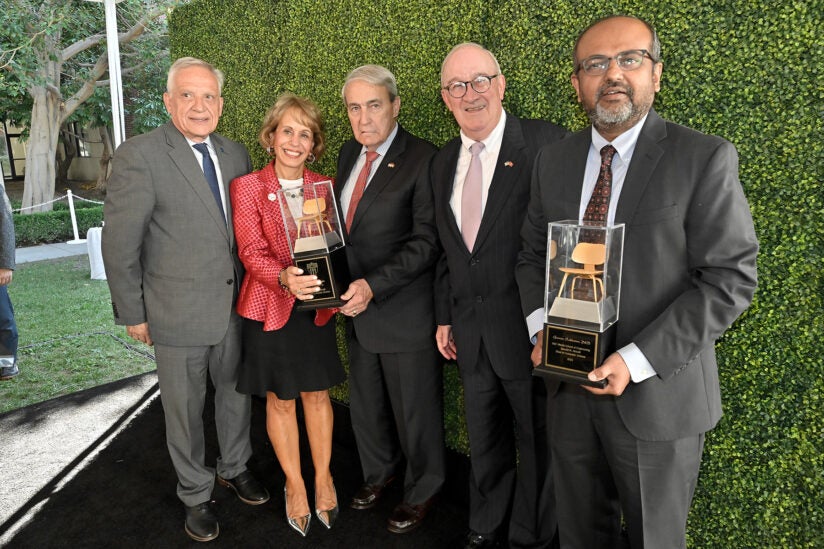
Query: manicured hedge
{"type": "Point", "coordinates": [56, 225]}
{"type": "Point", "coordinates": [748, 71]}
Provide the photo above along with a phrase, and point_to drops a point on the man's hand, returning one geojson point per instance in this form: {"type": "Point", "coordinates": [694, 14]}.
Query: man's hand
{"type": "Point", "coordinates": [538, 349]}
{"type": "Point", "coordinates": [446, 345]}
{"type": "Point", "coordinates": [140, 332]}
{"type": "Point", "coordinates": [613, 369]}
{"type": "Point", "coordinates": [5, 276]}
{"type": "Point", "coordinates": [357, 297]}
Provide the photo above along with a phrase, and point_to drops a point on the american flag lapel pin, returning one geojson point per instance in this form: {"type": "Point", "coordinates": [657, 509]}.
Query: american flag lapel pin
{"type": "Point", "coordinates": [509, 163]}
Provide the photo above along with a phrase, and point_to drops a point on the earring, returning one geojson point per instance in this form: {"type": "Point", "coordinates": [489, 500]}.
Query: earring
{"type": "Point", "coordinates": [270, 150]}
{"type": "Point", "coordinates": [311, 158]}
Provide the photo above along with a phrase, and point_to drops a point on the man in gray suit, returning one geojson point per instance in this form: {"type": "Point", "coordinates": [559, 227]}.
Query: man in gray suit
{"type": "Point", "coordinates": [173, 272]}
{"type": "Point", "coordinates": [8, 325]}
{"type": "Point", "coordinates": [630, 453]}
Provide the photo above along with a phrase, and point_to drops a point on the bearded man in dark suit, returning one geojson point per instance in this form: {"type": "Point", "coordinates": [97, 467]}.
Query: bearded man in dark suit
{"type": "Point", "coordinates": [477, 307]}
{"type": "Point", "coordinates": [629, 454]}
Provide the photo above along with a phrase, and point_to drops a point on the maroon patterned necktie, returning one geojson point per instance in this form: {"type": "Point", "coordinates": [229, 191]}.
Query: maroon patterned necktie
{"type": "Point", "coordinates": [597, 211]}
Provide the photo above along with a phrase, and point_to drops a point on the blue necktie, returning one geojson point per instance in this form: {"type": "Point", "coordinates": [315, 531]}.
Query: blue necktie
{"type": "Point", "coordinates": [211, 175]}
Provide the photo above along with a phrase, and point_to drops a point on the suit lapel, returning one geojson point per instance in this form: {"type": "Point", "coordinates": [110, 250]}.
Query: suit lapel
{"type": "Point", "coordinates": [509, 168]}
{"type": "Point", "coordinates": [184, 158]}
{"type": "Point", "coordinates": [451, 151]}
{"type": "Point", "coordinates": [644, 161]}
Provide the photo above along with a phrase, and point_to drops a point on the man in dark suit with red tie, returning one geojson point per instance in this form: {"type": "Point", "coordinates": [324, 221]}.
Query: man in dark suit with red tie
{"type": "Point", "coordinates": [395, 373]}
{"type": "Point", "coordinates": [627, 456]}
{"type": "Point", "coordinates": [481, 189]}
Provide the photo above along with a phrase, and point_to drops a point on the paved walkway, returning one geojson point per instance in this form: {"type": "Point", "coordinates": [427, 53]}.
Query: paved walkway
{"type": "Point", "coordinates": [50, 251]}
{"type": "Point", "coordinates": [45, 444]}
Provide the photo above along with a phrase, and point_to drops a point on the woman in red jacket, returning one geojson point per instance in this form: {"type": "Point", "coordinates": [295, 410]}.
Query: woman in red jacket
{"type": "Point", "coordinates": [287, 353]}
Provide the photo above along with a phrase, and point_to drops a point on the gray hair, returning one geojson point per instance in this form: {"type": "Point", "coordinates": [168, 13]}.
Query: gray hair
{"type": "Point", "coordinates": [374, 75]}
{"type": "Point", "coordinates": [463, 45]}
{"type": "Point", "coordinates": [185, 63]}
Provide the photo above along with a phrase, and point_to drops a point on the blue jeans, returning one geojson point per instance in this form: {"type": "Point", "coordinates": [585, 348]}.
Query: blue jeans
{"type": "Point", "coordinates": [8, 330]}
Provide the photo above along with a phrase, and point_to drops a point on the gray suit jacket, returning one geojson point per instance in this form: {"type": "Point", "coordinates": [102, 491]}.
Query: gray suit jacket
{"type": "Point", "coordinates": [170, 258]}
{"type": "Point", "coordinates": [7, 240]}
{"type": "Point", "coordinates": [689, 267]}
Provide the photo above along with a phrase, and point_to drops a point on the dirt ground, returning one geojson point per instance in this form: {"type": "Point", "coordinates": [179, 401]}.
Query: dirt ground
{"type": "Point", "coordinates": [85, 189]}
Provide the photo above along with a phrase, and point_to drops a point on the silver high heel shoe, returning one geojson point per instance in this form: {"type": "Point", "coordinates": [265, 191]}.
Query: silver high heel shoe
{"type": "Point", "coordinates": [299, 524]}
{"type": "Point", "coordinates": [327, 517]}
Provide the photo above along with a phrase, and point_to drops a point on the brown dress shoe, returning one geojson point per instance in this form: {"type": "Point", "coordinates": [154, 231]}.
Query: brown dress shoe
{"type": "Point", "coordinates": [368, 495]}
{"type": "Point", "coordinates": [406, 517]}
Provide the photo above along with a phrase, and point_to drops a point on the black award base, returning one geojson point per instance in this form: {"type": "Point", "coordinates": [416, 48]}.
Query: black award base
{"type": "Point", "coordinates": [570, 353]}
{"type": "Point", "coordinates": [332, 270]}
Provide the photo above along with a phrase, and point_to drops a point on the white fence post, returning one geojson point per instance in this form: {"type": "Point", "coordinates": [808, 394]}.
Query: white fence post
{"type": "Point", "coordinates": [77, 239]}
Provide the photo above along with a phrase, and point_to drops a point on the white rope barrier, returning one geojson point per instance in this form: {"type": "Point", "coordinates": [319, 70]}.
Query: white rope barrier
{"type": "Point", "coordinates": [70, 197]}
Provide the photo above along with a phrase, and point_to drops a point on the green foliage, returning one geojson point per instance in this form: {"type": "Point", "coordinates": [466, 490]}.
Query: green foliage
{"type": "Point", "coordinates": [55, 226]}
{"type": "Point", "coordinates": [749, 72]}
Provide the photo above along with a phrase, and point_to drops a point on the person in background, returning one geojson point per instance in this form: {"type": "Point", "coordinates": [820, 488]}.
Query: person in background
{"type": "Point", "coordinates": [172, 268]}
{"type": "Point", "coordinates": [8, 326]}
{"type": "Point", "coordinates": [481, 186]}
{"type": "Point", "coordinates": [626, 457]}
{"type": "Point", "coordinates": [395, 373]}
{"type": "Point", "coordinates": [287, 353]}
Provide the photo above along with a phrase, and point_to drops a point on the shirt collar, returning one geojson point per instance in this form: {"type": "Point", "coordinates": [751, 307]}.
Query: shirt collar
{"type": "Point", "coordinates": [383, 148]}
{"type": "Point", "coordinates": [624, 144]}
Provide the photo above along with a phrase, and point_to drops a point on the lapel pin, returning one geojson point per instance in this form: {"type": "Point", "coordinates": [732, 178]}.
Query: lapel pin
{"type": "Point", "coordinates": [271, 197]}
{"type": "Point", "coordinates": [509, 163]}
{"type": "Point", "coordinates": [391, 165]}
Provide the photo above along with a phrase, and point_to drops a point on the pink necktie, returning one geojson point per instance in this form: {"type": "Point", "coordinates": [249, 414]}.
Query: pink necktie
{"type": "Point", "coordinates": [471, 197]}
{"type": "Point", "coordinates": [360, 185]}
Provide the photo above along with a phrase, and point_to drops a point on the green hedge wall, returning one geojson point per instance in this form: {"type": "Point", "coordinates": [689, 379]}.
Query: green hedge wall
{"type": "Point", "coordinates": [746, 70]}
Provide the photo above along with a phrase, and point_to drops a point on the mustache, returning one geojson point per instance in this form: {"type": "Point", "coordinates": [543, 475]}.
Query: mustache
{"type": "Point", "coordinates": [612, 86]}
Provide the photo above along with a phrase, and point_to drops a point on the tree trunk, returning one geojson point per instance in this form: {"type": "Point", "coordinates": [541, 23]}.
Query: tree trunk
{"type": "Point", "coordinates": [41, 149]}
{"type": "Point", "coordinates": [105, 159]}
{"type": "Point", "coordinates": [65, 155]}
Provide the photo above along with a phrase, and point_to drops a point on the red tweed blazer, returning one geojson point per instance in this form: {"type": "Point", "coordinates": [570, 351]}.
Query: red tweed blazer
{"type": "Point", "coordinates": [263, 248]}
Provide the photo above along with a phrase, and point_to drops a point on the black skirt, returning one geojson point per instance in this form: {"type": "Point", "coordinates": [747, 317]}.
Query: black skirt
{"type": "Point", "coordinates": [299, 357]}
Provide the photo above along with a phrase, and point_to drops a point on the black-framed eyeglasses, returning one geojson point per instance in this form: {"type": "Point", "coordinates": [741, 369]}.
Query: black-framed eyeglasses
{"type": "Point", "coordinates": [629, 60]}
{"type": "Point", "coordinates": [480, 84]}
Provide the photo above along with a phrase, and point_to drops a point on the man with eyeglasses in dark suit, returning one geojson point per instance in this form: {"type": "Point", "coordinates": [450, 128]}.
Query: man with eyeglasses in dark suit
{"type": "Point", "coordinates": [480, 204]}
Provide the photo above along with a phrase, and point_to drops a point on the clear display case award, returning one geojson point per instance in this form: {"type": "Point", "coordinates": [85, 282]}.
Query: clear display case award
{"type": "Point", "coordinates": [311, 222]}
{"type": "Point", "coordinates": [581, 300]}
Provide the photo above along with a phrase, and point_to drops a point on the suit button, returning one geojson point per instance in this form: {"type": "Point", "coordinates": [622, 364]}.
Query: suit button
{"type": "Point", "coordinates": [479, 299]}
{"type": "Point", "coordinates": [230, 281]}
{"type": "Point", "coordinates": [473, 261]}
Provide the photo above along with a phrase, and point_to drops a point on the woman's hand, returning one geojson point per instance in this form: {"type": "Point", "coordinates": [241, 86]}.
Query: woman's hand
{"type": "Point", "coordinates": [303, 287]}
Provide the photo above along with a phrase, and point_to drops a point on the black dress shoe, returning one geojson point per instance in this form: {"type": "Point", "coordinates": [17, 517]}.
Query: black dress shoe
{"type": "Point", "coordinates": [406, 517]}
{"type": "Point", "coordinates": [247, 488]}
{"type": "Point", "coordinates": [201, 522]}
{"type": "Point", "coordinates": [368, 495]}
{"type": "Point", "coordinates": [474, 540]}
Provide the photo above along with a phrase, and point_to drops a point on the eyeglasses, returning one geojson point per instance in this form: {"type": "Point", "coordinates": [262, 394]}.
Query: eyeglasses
{"type": "Point", "coordinates": [480, 84]}
{"type": "Point", "coordinates": [629, 60]}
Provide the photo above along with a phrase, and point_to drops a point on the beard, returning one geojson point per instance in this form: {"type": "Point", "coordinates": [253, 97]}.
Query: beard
{"type": "Point", "coordinates": [624, 115]}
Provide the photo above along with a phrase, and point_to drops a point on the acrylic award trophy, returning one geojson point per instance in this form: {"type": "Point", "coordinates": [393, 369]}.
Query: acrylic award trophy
{"type": "Point", "coordinates": [583, 287]}
{"type": "Point", "coordinates": [310, 217]}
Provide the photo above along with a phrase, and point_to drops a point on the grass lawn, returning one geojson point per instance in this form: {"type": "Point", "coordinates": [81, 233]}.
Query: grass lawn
{"type": "Point", "coordinates": [68, 340]}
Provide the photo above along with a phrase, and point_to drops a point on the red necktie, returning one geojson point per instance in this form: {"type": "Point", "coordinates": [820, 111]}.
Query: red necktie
{"type": "Point", "coordinates": [360, 184]}
{"type": "Point", "coordinates": [597, 211]}
{"type": "Point", "coordinates": [472, 197]}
